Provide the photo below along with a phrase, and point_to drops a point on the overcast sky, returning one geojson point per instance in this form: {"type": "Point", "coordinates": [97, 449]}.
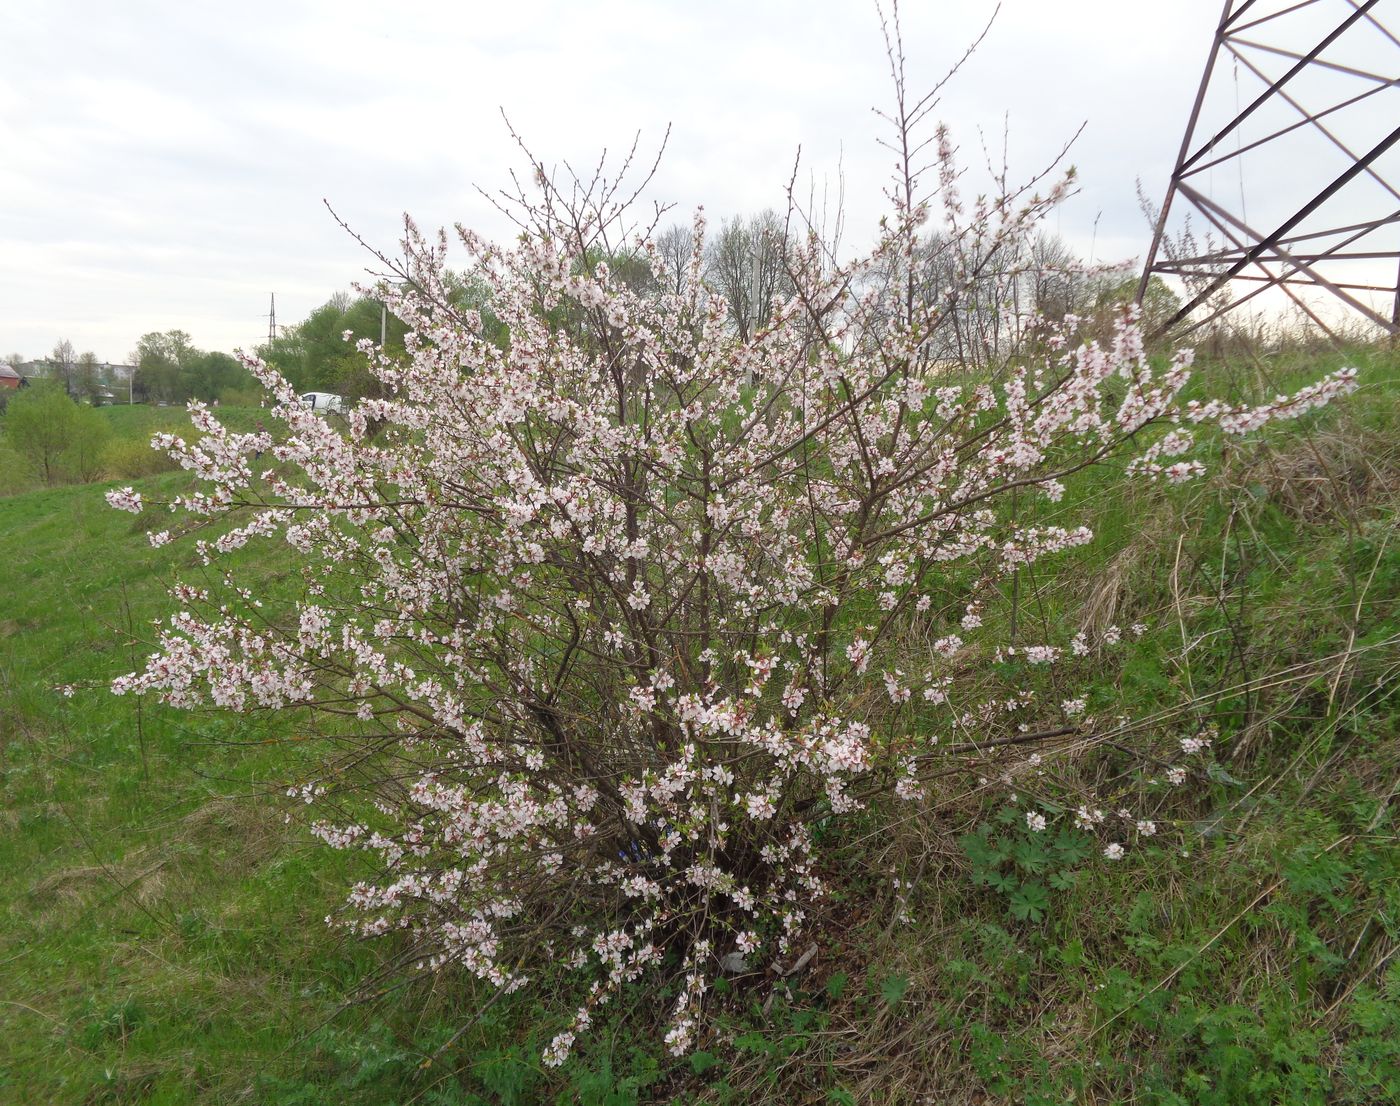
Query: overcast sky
{"type": "Point", "coordinates": [163, 165]}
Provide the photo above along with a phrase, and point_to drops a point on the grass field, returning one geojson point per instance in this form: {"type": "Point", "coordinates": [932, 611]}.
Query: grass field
{"type": "Point", "coordinates": [162, 937]}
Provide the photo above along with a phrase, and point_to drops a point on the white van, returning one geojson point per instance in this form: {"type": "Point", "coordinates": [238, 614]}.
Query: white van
{"type": "Point", "coordinates": [323, 401]}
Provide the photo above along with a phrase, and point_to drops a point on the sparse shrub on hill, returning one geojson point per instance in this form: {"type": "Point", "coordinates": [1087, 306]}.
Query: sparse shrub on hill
{"type": "Point", "coordinates": [128, 459]}
{"type": "Point", "coordinates": [85, 458]}
{"type": "Point", "coordinates": [38, 426]}
{"type": "Point", "coordinates": [622, 621]}
{"type": "Point", "coordinates": [15, 474]}
{"type": "Point", "coordinates": [59, 441]}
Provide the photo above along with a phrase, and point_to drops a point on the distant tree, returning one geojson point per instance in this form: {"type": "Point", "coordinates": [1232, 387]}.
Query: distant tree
{"type": "Point", "coordinates": [64, 363]}
{"type": "Point", "coordinates": [208, 376]}
{"type": "Point", "coordinates": [286, 353]}
{"type": "Point", "coordinates": [471, 293]}
{"type": "Point", "coordinates": [319, 353]}
{"type": "Point", "coordinates": [1159, 302]}
{"type": "Point", "coordinates": [159, 359]}
{"type": "Point", "coordinates": [39, 425]}
{"type": "Point", "coordinates": [1056, 280]}
{"type": "Point", "coordinates": [174, 345]}
{"type": "Point", "coordinates": [85, 382]}
{"type": "Point", "coordinates": [745, 264]}
{"type": "Point", "coordinates": [14, 360]}
{"type": "Point", "coordinates": [157, 380]}
{"type": "Point", "coordinates": [171, 369]}
{"type": "Point", "coordinates": [325, 350]}
{"type": "Point", "coordinates": [351, 375]}
{"type": "Point", "coordinates": [675, 247]}
{"type": "Point", "coordinates": [633, 269]}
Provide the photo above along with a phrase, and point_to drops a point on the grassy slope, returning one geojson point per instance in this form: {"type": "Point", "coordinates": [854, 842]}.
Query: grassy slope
{"type": "Point", "coordinates": [162, 937]}
{"type": "Point", "coordinates": [127, 452]}
{"type": "Point", "coordinates": [141, 421]}
{"type": "Point", "coordinates": [1254, 954]}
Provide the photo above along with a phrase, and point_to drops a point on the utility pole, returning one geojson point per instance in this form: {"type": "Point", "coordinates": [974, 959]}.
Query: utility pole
{"type": "Point", "coordinates": [1329, 134]}
{"type": "Point", "coordinates": [272, 319]}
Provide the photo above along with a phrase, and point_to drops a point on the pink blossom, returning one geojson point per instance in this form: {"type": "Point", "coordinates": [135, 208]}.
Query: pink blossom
{"type": "Point", "coordinates": [125, 499]}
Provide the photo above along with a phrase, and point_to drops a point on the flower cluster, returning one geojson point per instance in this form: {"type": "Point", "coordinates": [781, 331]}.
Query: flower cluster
{"type": "Point", "coordinates": [618, 607]}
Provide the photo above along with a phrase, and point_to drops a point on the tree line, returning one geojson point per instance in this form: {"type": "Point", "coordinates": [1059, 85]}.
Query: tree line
{"type": "Point", "coordinates": [746, 261]}
{"type": "Point", "coordinates": [83, 375]}
{"type": "Point", "coordinates": [171, 369]}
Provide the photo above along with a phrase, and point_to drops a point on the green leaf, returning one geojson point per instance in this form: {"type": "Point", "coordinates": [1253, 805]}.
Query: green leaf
{"type": "Point", "coordinates": [1072, 846]}
{"type": "Point", "coordinates": [751, 1042]}
{"type": "Point", "coordinates": [836, 985]}
{"type": "Point", "coordinates": [1030, 856]}
{"type": "Point", "coordinates": [979, 850]}
{"type": "Point", "coordinates": [1219, 775]}
{"type": "Point", "coordinates": [1030, 902]}
{"type": "Point", "coordinates": [1004, 882]}
{"type": "Point", "coordinates": [892, 990]}
{"type": "Point", "coordinates": [701, 1062]}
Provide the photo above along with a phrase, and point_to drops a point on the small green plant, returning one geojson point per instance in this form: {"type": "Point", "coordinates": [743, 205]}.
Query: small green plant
{"type": "Point", "coordinates": [1023, 864]}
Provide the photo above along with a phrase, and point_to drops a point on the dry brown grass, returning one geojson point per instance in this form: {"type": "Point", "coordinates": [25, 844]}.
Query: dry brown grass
{"type": "Point", "coordinates": [1331, 481]}
{"type": "Point", "coordinates": [1327, 476]}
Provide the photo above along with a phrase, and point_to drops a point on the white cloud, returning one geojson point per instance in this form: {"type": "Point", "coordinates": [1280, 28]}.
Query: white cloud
{"type": "Point", "coordinates": [165, 163]}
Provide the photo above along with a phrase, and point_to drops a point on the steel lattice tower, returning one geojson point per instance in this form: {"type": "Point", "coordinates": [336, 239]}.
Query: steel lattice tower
{"type": "Point", "coordinates": [1299, 104]}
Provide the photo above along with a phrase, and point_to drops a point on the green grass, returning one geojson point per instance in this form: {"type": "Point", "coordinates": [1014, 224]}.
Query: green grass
{"type": "Point", "coordinates": [162, 937]}
{"type": "Point", "coordinates": [1251, 956]}
{"type": "Point", "coordinates": [126, 454]}
{"type": "Point", "coordinates": [140, 421]}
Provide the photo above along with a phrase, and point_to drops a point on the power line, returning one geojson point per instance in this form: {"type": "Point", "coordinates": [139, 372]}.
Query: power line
{"type": "Point", "coordinates": [1269, 250]}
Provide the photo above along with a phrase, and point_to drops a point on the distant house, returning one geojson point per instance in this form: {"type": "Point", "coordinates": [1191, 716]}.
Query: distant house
{"type": "Point", "coordinates": [35, 370]}
{"type": "Point", "coordinates": [114, 381]}
{"type": "Point", "coordinates": [10, 377]}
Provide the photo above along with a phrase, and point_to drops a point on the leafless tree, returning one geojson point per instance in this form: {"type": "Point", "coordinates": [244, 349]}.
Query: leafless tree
{"type": "Point", "coordinates": [746, 265]}
{"type": "Point", "coordinates": [64, 362]}
{"type": "Point", "coordinates": [1057, 283]}
{"type": "Point", "coordinates": [674, 246]}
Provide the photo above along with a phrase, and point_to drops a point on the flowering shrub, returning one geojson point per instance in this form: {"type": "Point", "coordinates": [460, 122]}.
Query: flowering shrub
{"type": "Point", "coordinates": [614, 611]}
